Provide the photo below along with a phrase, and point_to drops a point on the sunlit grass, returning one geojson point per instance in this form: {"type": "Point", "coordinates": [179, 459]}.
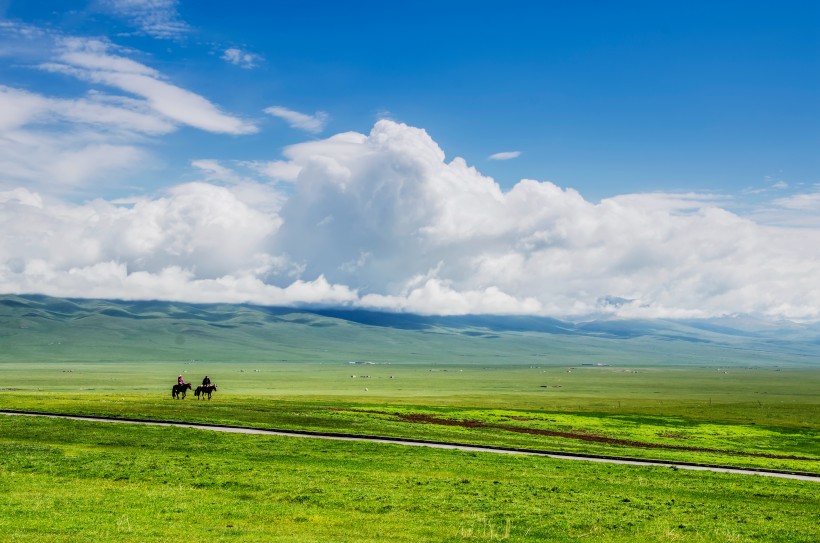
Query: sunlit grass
{"type": "Point", "coordinates": [731, 420]}
{"type": "Point", "coordinates": [655, 398]}
{"type": "Point", "coordinates": [79, 481]}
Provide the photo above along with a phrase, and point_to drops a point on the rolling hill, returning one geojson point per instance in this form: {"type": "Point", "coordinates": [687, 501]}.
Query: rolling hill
{"type": "Point", "coordinates": [34, 327]}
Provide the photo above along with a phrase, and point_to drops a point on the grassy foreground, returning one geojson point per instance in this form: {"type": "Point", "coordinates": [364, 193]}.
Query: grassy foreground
{"type": "Point", "coordinates": [747, 417]}
{"type": "Point", "coordinates": [64, 481]}
{"type": "Point", "coordinates": [674, 391]}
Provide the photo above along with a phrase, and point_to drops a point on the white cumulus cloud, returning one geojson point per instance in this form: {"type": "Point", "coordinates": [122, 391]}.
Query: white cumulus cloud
{"type": "Point", "coordinates": [384, 220]}
{"type": "Point", "coordinates": [392, 195]}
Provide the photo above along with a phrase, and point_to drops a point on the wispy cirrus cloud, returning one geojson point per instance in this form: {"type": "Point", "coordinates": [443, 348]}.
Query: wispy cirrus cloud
{"type": "Point", "coordinates": [112, 114]}
{"type": "Point", "coordinates": [69, 142]}
{"type": "Point", "coordinates": [156, 18]}
{"type": "Point", "coordinates": [309, 123]}
{"type": "Point", "coordinates": [803, 202]}
{"type": "Point", "coordinates": [241, 58]}
{"type": "Point", "coordinates": [27, 32]}
{"type": "Point", "coordinates": [505, 155]}
{"type": "Point", "coordinates": [92, 60]}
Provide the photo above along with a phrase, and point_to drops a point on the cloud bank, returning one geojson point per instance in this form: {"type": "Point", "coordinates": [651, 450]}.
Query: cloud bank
{"type": "Point", "coordinates": [384, 221]}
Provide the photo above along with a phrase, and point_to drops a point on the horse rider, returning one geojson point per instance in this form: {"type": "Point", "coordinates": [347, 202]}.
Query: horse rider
{"type": "Point", "coordinates": [180, 380]}
{"type": "Point", "coordinates": [206, 382]}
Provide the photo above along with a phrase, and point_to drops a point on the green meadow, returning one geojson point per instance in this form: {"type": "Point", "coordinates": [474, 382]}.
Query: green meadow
{"type": "Point", "coordinates": [756, 418]}
{"type": "Point", "coordinates": [82, 481]}
{"type": "Point", "coordinates": [675, 392]}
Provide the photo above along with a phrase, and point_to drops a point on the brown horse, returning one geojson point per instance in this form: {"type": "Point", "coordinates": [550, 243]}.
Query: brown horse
{"type": "Point", "coordinates": [202, 390]}
{"type": "Point", "coordinates": [178, 391]}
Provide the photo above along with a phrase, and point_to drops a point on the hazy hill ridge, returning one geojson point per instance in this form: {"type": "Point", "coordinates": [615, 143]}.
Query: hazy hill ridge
{"type": "Point", "coordinates": [27, 320]}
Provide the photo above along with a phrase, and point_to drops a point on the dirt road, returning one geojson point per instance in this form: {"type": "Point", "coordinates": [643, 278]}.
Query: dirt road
{"type": "Point", "coordinates": [433, 444]}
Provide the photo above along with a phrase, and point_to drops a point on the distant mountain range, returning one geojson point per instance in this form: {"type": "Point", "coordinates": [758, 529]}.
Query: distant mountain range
{"type": "Point", "coordinates": [31, 326]}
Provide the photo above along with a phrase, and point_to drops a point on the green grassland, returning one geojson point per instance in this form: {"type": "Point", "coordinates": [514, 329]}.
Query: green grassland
{"type": "Point", "coordinates": [682, 391]}
{"type": "Point", "coordinates": [761, 418]}
{"type": "Point", "coordinates": [82, 481]}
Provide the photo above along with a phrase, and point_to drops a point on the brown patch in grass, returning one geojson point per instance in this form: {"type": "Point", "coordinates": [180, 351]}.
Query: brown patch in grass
{"type": "Point", "coordinates": [582, 435]}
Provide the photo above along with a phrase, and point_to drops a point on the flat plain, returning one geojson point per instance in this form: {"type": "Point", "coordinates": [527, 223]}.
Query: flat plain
{"type": "Point", "coordinates": [673, 394]}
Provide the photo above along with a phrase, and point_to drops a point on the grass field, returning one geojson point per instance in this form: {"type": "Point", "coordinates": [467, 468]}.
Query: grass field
{"type": "Point", "coordinates": [749, 417]}
{"type": "Point", "coordinates": [709, 398]}
{"type": "Point", "coordinates": [79, 481]}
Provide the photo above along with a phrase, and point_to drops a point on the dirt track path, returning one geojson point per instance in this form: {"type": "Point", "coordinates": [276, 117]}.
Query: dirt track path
{"type": "Point", "coordinates": [436, 445]}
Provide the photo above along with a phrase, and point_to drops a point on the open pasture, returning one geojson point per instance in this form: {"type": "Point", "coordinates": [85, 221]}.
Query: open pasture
{"type": "Point", "coordinates": [758, 417]}
{"type": "Point", "coordinates": [717, 400]}
{"type": "Point", "coordinates": [83, 481]}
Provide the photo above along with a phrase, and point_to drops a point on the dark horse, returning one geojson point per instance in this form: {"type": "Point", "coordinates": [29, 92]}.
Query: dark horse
{"type": "Point", "coordinates": [178, 391]}
{"type": "Point", "coordinates": [202, 390]}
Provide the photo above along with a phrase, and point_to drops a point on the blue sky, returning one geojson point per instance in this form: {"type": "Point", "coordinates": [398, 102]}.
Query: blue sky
{"type": "Point", "coordinates": [676, 112]}
{"type": "Point", "coordinates": [601, 96]}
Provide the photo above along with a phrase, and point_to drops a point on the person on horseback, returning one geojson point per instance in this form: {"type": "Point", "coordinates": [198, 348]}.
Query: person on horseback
{"type": "Point", "coordinates": [178, 390]}
{"type": "Point", "coordinates": [206, 382]}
